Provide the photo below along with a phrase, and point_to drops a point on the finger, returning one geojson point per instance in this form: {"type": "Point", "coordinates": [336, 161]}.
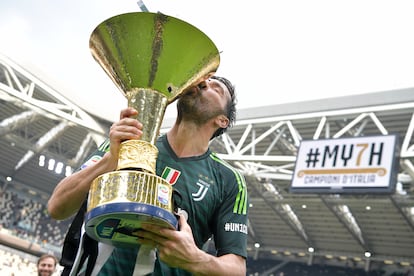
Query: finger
{"type": "Point", "coordinates": [133, 126]}
{"type": "Point", "coordinates": [182, 222]}
{"type": "Point", "coordinates": [148, 234]}
{"type": "Point", "coordinates": [149, 238]}
{"type": "Point", "coordinates": [126, 126]}
{"type": "Point", "coordinates": [128, 112]}
{"type": "Point", "coordinates": [129, 122]}
{"type": "Point", "coordinates": [153, 229]}
{"type": "Point", "coordinates": [149, 243]}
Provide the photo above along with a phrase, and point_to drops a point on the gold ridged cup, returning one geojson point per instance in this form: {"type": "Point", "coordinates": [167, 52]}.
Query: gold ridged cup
{"type": "Point", "coordinates": [152, 58]}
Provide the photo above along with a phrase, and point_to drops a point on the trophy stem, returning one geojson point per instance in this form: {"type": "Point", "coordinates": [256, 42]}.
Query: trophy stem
{"type": "Point", "coordinates": [151, 106]}
{"type": "Point", "coordinates": [142, 154]}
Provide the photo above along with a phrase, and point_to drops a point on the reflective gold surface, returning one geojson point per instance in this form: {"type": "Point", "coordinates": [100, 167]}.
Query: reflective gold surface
{"type": "Point", "coordinates": [152, 58]}
{"type": "Point", "coordinates": [141, 154]}
{"type": "Point", "coordinates": [153, 50]}
{"type": "Point", "coordinates": [137, 154]}
{"type": "Point", "coordinates": [151, 106]}
{"type": "Point", "coordinates": [130, 186]}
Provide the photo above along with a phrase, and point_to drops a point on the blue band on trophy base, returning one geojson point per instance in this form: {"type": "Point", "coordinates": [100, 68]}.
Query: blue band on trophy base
{"type": "Point", "coordinates": [114, 223]}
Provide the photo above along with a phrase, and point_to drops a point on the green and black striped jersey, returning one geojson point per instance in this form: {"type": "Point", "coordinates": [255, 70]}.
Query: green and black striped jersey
{"type": "Point", "coordinates": [212, 193]}
{"type": "Point", "coordinates": [214, 196]}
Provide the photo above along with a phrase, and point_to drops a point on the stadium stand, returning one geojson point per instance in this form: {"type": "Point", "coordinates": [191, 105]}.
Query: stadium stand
{"type": "Point", "coordinates": [29, 220]}
{"type": "Point", "coordinates": [17, 263]}
{"type": "Point", "coordinates": [26, 231]}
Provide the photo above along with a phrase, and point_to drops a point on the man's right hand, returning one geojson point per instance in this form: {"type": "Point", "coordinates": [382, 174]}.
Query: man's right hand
{"type": "Point", "coordinates": [127, 128]}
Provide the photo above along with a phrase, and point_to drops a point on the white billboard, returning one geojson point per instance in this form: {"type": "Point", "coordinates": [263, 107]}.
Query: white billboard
{"type": "Point", "coordinates": [347, 165]}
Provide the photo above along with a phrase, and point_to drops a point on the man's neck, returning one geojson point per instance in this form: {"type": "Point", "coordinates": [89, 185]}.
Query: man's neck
{"type": "Point", "coordinates": [187, 139]}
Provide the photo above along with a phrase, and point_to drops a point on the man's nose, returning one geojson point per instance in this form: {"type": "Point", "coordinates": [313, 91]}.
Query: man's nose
{"type": "Point", "coordinates": [202, 85]}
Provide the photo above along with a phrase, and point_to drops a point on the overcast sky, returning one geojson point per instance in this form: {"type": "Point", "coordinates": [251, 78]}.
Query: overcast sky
{"type": "Point", "coordinates": [275, 51]}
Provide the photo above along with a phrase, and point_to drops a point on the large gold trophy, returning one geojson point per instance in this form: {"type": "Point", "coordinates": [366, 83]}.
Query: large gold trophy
{"type": "Point", "coordinates": [152, 58]}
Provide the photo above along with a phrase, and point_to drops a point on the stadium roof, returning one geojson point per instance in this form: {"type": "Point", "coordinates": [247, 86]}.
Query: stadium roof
{"type": "Point", "coordinates": [38, 124]}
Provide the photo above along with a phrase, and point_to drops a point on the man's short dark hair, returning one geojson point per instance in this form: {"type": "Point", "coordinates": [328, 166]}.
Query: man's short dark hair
{"type": "Point", "coordinates": [230, 111]}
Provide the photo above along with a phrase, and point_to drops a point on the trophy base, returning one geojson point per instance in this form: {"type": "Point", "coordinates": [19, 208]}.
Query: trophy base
{"type": "Point", "coordinates": [114, 223]}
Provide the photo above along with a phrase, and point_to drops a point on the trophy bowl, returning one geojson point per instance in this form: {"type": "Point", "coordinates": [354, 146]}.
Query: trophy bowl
{"type": "Point", "coordinates": [151, 58]}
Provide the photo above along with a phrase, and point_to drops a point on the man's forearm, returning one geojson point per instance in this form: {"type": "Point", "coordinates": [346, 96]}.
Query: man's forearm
{"type": "Point", "coordinates": [70, 193]}
{"type": "Point", "coordinates": [229, 264]}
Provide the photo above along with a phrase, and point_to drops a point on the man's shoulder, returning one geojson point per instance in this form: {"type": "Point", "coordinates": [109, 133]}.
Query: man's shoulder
{"type": "Point", "coordinates": [214, 156]}
{"type": "Point", "coordinates": [224, 165]}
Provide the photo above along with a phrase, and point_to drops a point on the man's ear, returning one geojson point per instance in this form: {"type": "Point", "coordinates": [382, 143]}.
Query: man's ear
{"type": "Point", "coordinates": [222, 121]}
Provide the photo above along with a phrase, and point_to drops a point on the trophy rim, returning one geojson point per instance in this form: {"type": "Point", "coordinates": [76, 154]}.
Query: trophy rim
{"type": "Point", "coordinates": [109, 34]}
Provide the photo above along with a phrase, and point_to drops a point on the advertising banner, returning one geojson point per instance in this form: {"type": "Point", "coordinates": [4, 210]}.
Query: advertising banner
{"type": "Point", "coordinates": [347, 165]}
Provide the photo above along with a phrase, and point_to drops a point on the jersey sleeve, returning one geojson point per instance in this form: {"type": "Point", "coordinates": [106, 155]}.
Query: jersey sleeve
{"type": "Point", "coordinates": [96, 155]}
{"type": "Point", "coordinates": [230, 235]}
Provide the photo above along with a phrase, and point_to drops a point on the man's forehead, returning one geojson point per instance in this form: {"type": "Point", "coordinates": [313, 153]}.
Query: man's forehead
{"type": "Point", "coordinates": [222, 84]}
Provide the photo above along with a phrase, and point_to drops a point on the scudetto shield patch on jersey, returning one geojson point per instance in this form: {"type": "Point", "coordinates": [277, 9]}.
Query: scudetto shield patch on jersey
{"type": "Point", "coordinates": [94, 159]}
{"type": "Point", "coordinates": [170, 175]}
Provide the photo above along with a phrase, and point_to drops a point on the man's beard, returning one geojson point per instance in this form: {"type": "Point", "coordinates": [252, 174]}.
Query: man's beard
{"type": "Point", "coordinates": [192, 107]}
